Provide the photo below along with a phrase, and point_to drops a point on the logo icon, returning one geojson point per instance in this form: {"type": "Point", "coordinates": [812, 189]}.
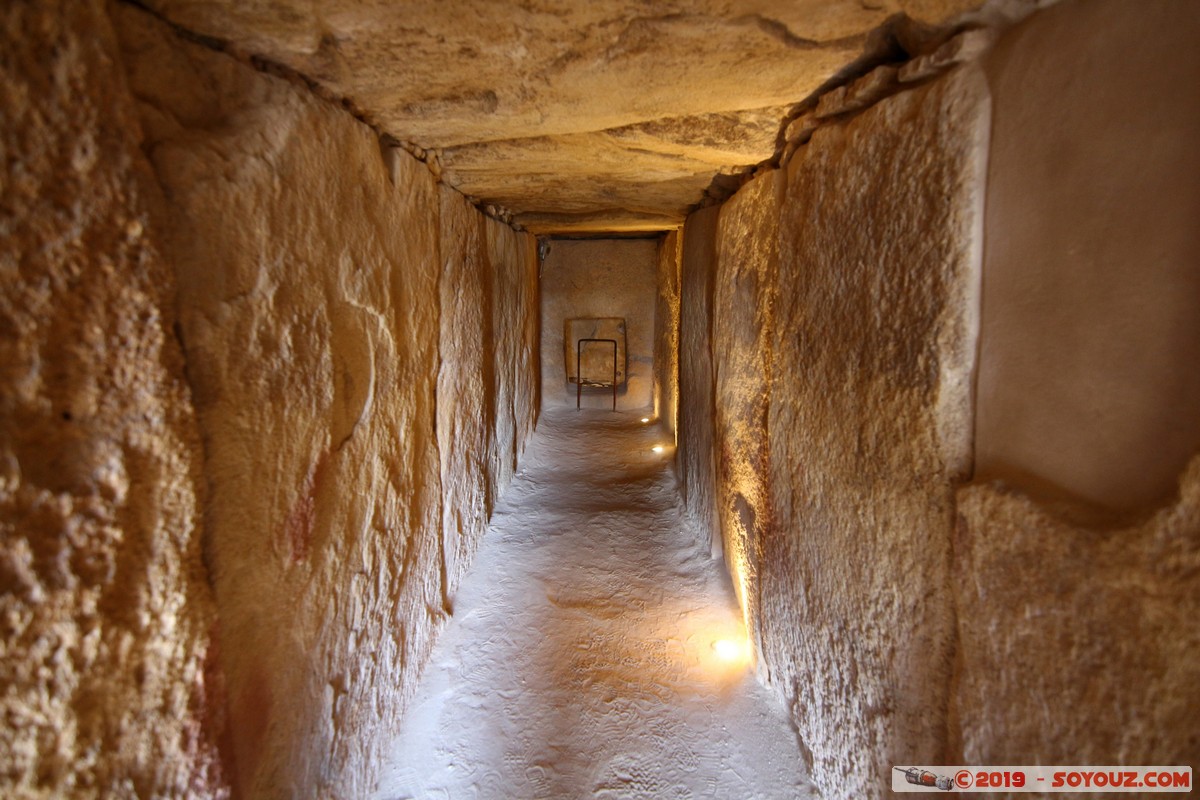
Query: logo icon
{"type": "Point", "coordinates": [923, 777]}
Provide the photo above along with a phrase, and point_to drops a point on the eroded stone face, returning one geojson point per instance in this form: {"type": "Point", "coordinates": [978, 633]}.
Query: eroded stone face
{"type": "Point", "coordinates": [666, 332]}
{"type": "Point", "coordinates": [1093, 262]}
{"type": "Point", "coordinates": [577, 116]}
{"type": "Point", "coordinates": [1090, 633]}
{"type": "Point", "coordinates": [743, 341]}
{"type": "Point", "coordinates": [308, 301]}
{"type": "Point", "coordinates": [110, 684]}
{"type": "Point", "coordinates": [466, 409]}
{"type": "Point", "coordinates": [840, 344]}
{"type": "Point", "coordinates": [696, 414]}
{"type": "Point", "coordinates": [877, 240]}
{"type": "Point", "coordinates": [358, 343]}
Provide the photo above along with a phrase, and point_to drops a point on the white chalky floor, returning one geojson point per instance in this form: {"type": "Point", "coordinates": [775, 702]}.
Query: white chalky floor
{"type": "Point", "coordinates": [580, 659]}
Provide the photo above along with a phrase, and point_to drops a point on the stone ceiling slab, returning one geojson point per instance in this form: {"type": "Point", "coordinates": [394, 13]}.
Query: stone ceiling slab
{"type": "Point", "coordinates": [557, 109]}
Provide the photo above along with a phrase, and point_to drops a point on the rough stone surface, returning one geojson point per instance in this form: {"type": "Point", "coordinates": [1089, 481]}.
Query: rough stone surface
{"type": "Point", "coordinates": [868, 424]}
{"type": "Point", "coordinates": [466, 410]}
{"type": "Point", "coordinates": [580, 116]}
{"type": "Point", "coordinates": [1078, 548]}
{"type": "Point", "coordinates": [109, 685]}
{"type": "Point", "coordinates": [487, 394]}
{"type": "Point", "coordinates": [696, 457]}
{"type": "Point", "coordinates": [314, 351]}
{"type": "Point", "coordinates": [908, 620]}
{"type": "Point", "coordinates": [666, 332]}
{"type": "Point", "coordinates": [743, 341]}
{"type": "Point", "coordinates": [512, 261]}
{"type": "Point", "coordinates": [1089, 634]}
{"type": "Point", "coordinates": [599, 278]}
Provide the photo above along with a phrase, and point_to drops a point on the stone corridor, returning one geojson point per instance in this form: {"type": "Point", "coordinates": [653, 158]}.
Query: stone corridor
{"type": "Point", "coordinates": [296, 297]}
{"type": "Point", "coordinates": [587, 654]}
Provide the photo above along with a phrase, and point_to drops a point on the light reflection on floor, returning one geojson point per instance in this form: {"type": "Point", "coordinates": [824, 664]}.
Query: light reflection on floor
{"type": "Point", "coordinates": [596, 650]}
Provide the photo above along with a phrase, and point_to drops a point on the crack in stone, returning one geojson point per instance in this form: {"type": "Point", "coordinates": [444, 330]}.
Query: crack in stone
{"type": "Point", "coordinates": [780, 32]}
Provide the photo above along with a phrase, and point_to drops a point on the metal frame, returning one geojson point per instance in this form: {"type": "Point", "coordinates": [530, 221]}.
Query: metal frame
{"type": "Point", "coordinates": [579, 370]}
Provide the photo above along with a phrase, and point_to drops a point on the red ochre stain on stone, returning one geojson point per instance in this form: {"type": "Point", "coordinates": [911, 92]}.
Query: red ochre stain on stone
{"type": "Point", "coordinates": [298, 527]}
{"type": "Point", "coordinates": [250, 719]}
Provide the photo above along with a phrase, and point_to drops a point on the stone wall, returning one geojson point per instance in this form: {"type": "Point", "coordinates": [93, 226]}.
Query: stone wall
{"type": "Point", "coordinates": [743, 343]}
{"type": "Point", "coordinates": [1078, 642]}
{"type": "Point", "coordinates": [666, 333]}
{"type": "Point", "coordinates": [1079, 542]}
{"type": "Point", "coordinates": [600, 278]}
{"type": "Point", "coordinates": [357, 339]}
{"type": "Point", "coordinates": [354, 339]}
{"type": "Point", "coordinates": [487, 378]}
{"type": "Point", "coordinates": [907, 614]}
{"type": "Point", "coordinates": [512, 262]}
{"type": "Point", "coordinates": [109, 681]}
{"type": "Point", "coordinates": [876, 250]}
{"type": "Point", "coordinates": [311, 333]}
{"type": "Point", "coordinates": [466, 408]}
{"type": "Point", "coordinates": [695, 457]}
{"type": "Point", "coordinates": [843, 324]}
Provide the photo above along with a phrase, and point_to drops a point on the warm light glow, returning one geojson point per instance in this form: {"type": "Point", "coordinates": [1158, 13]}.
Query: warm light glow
{"type": "Point", "coordinates": [730, 650]}
{"type": "Point", "coordinates": [658, 448]}
{"type": "Point", "coordinates": [645, 419]}
{"type": "Point", "coordinates": [741, 586]}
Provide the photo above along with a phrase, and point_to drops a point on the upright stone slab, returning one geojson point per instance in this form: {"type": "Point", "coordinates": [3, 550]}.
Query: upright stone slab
{"type": "Point", "coordinates": [869, 423]}
{"type": "Point", "coordinates": [1078, 544]}
{"type": "Point", "coordinates": [666, 332]}
{"type": "Point", "coordinates": [695, 456]}
{"type": "Point", "coordinates": [466, 409]}
{"type": "Point", "coordinates": [110, 680]}
{"type": "Point", "coordinates": [308, 271]}
{"type": "Point", "coordinates": [743, 344]}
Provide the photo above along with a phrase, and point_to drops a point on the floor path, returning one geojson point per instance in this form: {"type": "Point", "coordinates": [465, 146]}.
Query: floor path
{"type": "Point", "coordinates": [580, 661]}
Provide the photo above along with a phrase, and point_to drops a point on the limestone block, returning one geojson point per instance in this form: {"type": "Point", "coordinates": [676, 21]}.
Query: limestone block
{"type": "Point", "coordinates": [308, 270]}
{"type": "Point", "coordinates": [868, 422]}
{"type": "Point", "coordinates": [666, 332]}
{"type": "Point", "coordinates": [695, 457]}
{"type": "Point", "coordinates": [967, 46]}
{"type": "Point", "coordinates": [466, 392]}
{"type": "Point", "coordinates": [507, 262]}
{"type": "Point", "coordinates": [1076, 642]}
{"type": "Point", "coordinates": [487, 379]}
{"type": "Point", "coordinates": [1089, 318]}
{"type": "Point", "coordinates": [505, 89]}
{"type": "Point", "coordinates": [110, 683]}
{"type": "Point", "coordinates": [527, 366]}
{"type": "Point", "coordinates": [576, 173]}
{"type": "Point", "coordinates": [857, 95]}
{"type": "Point", "coordinates": [743, 341]}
